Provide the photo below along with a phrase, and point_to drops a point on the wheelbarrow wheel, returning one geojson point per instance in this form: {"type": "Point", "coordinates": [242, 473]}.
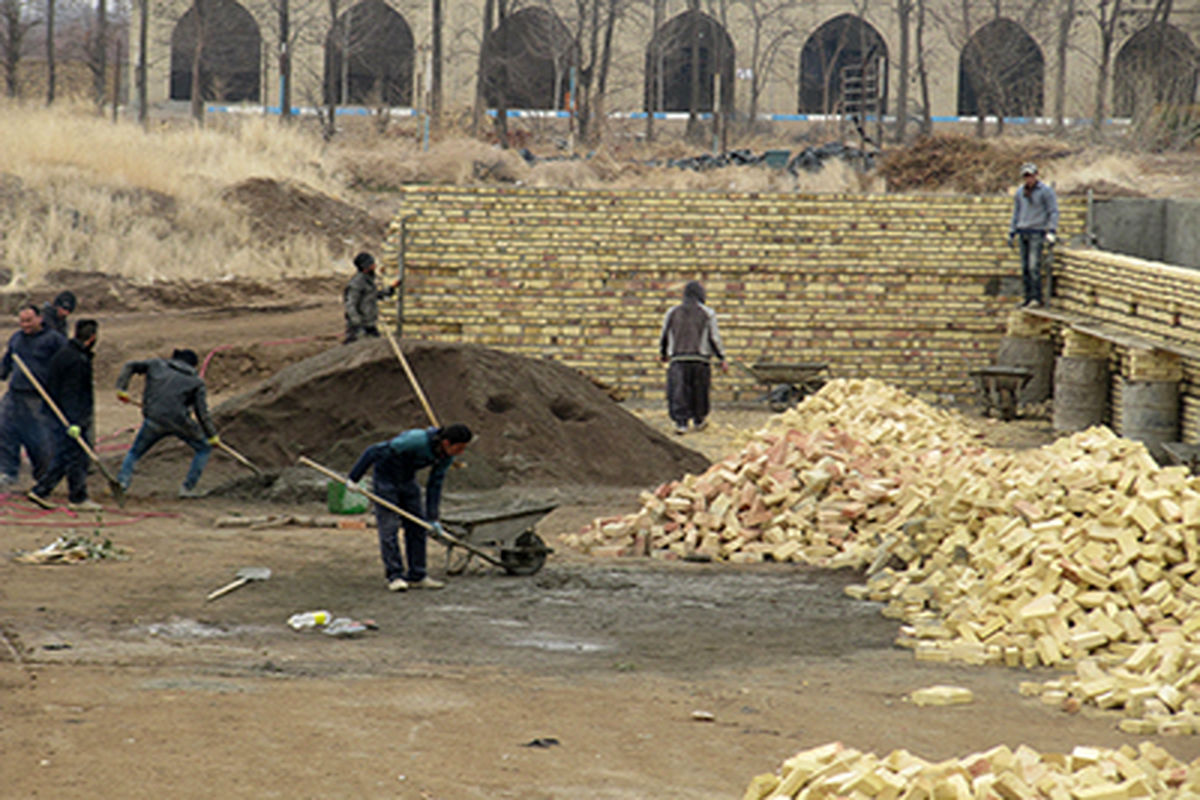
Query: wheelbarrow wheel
{"type": "Point", "coordinates": [527, 555]}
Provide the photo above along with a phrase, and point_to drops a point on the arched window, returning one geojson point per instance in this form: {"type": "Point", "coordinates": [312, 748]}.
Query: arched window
{"type": "Point", "coordinates": [1001, 71]}
{"type": "Point", "coordinates": [838, 60]}
{"type": "Point", "coordinates": [1157, 65]}
{"type": "Point", "coordinates": [527, 61]}
{"type": "Point", "coordinates": [226, 38]}
{"type": "Point", "coordinates": [369, 57]}
{"type": "Point", "coordinates": [668, 85]}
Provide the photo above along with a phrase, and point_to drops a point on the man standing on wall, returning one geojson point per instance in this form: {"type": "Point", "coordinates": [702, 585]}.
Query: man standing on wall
{"type": "Point", "coordinates": [689, 342]}
{"type": "Point", "coordinates": [1035, 224]}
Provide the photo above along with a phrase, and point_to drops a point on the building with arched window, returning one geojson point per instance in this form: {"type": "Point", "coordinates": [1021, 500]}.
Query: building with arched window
{"type": "Point", "coordinates": [824, 58]}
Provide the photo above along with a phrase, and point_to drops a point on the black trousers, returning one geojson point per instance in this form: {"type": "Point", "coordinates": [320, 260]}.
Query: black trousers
{"type": "Point", "coordinates": [688, 384]}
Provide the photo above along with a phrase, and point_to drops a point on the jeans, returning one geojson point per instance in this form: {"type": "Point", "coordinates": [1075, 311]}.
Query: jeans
{"type": "Point", "coordinates": [24, 422]}
{"type": "Point", "coordinates": [147, 436]}
{"type": "Point", "coordinates": [1031, 264]}
{"type": "Point", "coordinates": [71, 461]}
{"type": "Point", "coordinates": [408, 497]}
{"type": "Point", "coordinates": [688, 384]}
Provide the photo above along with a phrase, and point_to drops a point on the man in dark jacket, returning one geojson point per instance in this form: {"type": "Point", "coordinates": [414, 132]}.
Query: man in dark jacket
{"type": "Point", "coordinates": [689, 342]}
{"type": "Point", "coordinates": [70, 386]}
{"type": "Point", "coordinates": [25, 420]}
{"type": "Point", "coordinates": [55, 313]}
{"type": "Point", "coordinates": [361, 300]}
{"type": "Point", "coordinates": [174, 393]}
{"type": "Point", "coordinates": [396, 463]}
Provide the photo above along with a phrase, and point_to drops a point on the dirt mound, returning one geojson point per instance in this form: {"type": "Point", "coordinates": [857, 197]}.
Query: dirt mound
{"type": "Point", "coordinates": [282, 210]}
{"type": "Point", "coordinates": [102, 292]}
{"type": "Point", "coordinates": [537, 422]}
{"type": "Point", "coordinates": [963, 163]}
{"type": "Point", "coordinates": [1101, 188]}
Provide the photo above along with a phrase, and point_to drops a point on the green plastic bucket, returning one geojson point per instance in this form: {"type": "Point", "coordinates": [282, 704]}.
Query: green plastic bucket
{"type": "Point", "coordinates": [777, 159]}
{"type": "Point", "coordinates": [343, 501]}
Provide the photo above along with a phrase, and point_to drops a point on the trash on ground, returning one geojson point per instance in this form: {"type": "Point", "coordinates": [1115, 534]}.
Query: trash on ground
{"type": "Point", "coordinates": [72, 550]}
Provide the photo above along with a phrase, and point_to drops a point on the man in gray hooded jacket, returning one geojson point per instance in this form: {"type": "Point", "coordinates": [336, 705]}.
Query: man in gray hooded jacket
{"type": "Point", "coordinates": [689, 342]}
{"type": "Point", "coordinates": [174, 393]}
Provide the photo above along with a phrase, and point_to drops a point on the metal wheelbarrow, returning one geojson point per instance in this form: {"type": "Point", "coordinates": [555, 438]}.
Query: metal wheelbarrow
{"type": "Point", "coordinates": [787, 383]}
{"type": "Point", "coordinates": [505, 534]}
{"type": "Point", "coordinates": [999, 388]}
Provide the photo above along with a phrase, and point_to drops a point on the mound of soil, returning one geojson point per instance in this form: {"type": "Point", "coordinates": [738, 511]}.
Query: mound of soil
{"type": "Point", "coordinates": [536, 422]}
{"type": "Point", "coordinates": [962, 163]}
{"type": "Point", "coordinates": [100, 292]}
{"type": "Point", "coordinates": [282, 210]}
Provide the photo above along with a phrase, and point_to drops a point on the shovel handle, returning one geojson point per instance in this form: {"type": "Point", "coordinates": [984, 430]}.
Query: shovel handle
{"type": "Point", "coordinates": [412, 379]}
{"type": "Point", "coordinates": [227, 588]}
{"type": "Point", "coordinates": [395, 509]}
{"type": "Point", "coordinates": [241, 459]}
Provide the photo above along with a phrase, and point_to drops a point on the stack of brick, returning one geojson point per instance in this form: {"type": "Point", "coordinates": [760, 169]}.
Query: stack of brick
{"type": "Point", "coordinates": [1086, 773]}
{"type": "Point", "coordinates": [818, 485]}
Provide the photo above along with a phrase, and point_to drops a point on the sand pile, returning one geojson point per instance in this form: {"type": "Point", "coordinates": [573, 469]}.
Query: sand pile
{"type": "Point", "coordinates": [537, 422]}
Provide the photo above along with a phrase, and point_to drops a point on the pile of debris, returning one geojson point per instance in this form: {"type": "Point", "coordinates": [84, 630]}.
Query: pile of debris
{"type": "Point", "coordinates": [810, 159]}
{"type": "Point", "coordinates": [821, 484]}
{"type": "Point", "coordinates": [1081, 552]}
{"type": "Point", "coordinates": [834, 770]}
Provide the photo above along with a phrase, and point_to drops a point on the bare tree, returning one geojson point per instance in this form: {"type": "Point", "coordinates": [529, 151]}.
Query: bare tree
{"type": "Point", "coordinates": [1107, 14]}
{"type": "Point", "coordinates": [51, 8]}
{"type": "Point", "coordinates": [904, 9]}
{"type": "Point", "coordinates": [1066, 21]}
{"type": "Point", "coordinates": [17, 22]}
{"type": "Point", "coordinates": [97, 51]}
{"type": "Point", "coordinates": [655, 69]}
{"type": "Point", "coordinates": [923, 71]}
{"type": "Point", "coordinates": [771, 28]}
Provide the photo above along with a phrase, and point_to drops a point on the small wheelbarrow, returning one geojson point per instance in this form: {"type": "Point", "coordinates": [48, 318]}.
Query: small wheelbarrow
{"type": "Point", "coordinates": [506, 537]}
{"type": "Point", "coordinates": [787, 383]}
{"type": "Point", "coordinates": [999, 388]}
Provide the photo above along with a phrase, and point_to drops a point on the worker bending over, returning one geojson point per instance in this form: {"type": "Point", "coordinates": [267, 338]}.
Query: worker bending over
{"type": "Point", "coordinates": [174, 392]}
{"type": "Point", "coordinates": [396, 463]}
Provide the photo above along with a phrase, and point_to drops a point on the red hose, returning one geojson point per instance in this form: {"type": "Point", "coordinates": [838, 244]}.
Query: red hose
{"type": "Point", "coordinates": [14, 511]}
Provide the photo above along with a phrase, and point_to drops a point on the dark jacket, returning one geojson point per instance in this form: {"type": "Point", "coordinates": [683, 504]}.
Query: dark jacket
{"type": "Point", "coordinates": [689, 331]}
{"type": "Point", "coordinates": [70, 383]}
{"type": "Point", "coordinates": [52, 320]}
{"type": "Point", "coordinates": [173, 391]}
{"type": "Point", "coordinates": [35, 350]}
{"type": "Point", "coordinates": [398, 460]}
{"type": "Point", "coordinates": [361, 300]}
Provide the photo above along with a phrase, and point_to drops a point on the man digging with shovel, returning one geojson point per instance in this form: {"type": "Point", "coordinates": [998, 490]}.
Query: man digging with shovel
{"type": "Point", "coordinates": [396, 463]}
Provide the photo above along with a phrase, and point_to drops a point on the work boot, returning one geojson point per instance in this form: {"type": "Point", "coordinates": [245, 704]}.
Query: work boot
{"type": "Point", "coordinates": [681, 429]}
{"type": "Point", "coordinates": [426, 583]}
{"type": "Point", "coordinates": [85, 505]}
{"type": "Point", "coordinates": [1034, 304]}
{"type": "Point", "coordinates": [190, 493]}
{"type": "Point", "coordinates": [701, 425]}
{"type": "Point", "coordinates": [397, 585]}
{"type": "Point", "coordinates": [40, 501]}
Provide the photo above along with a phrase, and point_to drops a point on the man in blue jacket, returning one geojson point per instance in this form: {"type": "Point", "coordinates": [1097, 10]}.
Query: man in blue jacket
{"type": "Point", "coordinates": [24, 418]}
{"type": "Point", "coordinates": [1035, 222]}
{"type": "Point", "coordinates": [396, 463]}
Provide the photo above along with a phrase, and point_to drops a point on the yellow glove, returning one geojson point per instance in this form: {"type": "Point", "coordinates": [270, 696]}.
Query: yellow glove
{"type": "Point", "coordinates": [124, 397]}
{"type": "Point", "coordinates": [214, 440]}
{"type": "Point", "coordinates": [74, 432]}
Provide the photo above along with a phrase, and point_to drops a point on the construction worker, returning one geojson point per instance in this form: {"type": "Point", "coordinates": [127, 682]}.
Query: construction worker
{"type": "Point", "coordinates": [174, 392]}
{"type": "Point", "coordinates": [361, 299]}
{"type": "Point", "coordinates": [1035, 222]}
{"type": "Point", "coordinates": [24, 418]}
{"type": "Point", "coordinates": [69, 384]}
{"type": "Point", "coordinates": [396, 463]}
{"type": "Point", "coordinates": [689, 341]}
{"type": "Point", "coordinates": [55, 313]}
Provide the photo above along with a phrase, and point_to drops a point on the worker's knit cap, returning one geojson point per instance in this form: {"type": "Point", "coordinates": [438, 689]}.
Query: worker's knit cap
{"type": "Point", "coordinates": [363, 260]}
{"type": "Point", "coordinates": [65, 301]}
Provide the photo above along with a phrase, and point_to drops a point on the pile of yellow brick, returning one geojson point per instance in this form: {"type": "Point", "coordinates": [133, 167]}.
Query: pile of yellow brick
{"type": "Point", "coordinates": [1086, 773]}
{"type": "Point", "coordinates": [851, 460]}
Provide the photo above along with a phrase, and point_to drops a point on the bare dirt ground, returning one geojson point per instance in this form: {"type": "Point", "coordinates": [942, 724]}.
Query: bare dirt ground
{"type": "Point", "coordinates": [118, 680]}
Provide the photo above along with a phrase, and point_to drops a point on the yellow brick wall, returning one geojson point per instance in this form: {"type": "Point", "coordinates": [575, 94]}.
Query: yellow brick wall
{"type": "Point", "coordinates": [1154, 301]}
{"type": "Point", "coordinates": [893, 287]}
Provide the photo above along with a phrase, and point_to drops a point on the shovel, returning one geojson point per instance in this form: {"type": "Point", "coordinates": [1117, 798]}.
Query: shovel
{"type": "Point", "coordinates": [244, 576]}
{"type": "Point", "coordinates": [118, 491]}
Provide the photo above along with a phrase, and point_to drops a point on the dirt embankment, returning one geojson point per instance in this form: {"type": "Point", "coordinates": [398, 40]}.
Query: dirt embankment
{"type": "Point", "coordinates": [537, 422]}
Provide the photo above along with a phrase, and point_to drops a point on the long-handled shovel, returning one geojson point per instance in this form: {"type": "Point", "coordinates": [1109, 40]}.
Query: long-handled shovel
{"type": "Point", "coordinates": [241, 459]}
{"type": "Point", "coordinates": [412, 379]}
{"type": "Point", "coordinates": [114, 486]}
{"type": "Point", "coordinates": [454, 540]}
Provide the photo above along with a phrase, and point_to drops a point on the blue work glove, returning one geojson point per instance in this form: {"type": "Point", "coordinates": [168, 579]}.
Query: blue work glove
{"type": "Point", "coordinates": [436, 530]}
{"type": "Point", "coordinates": [74, 432]}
